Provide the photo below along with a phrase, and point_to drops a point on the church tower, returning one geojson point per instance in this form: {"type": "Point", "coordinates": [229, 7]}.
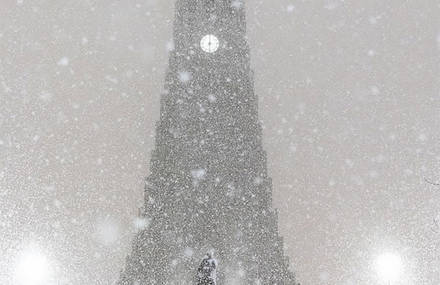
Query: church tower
{"type": "Point", "coordinates": [209, 188]}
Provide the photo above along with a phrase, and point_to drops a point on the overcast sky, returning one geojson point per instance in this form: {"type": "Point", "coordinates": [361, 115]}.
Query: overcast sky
{"type": "Point", "coordinates": [349, 100]}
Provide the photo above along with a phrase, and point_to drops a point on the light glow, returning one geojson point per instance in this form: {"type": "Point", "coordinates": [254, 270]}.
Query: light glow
{"type": "Point", "coordinates": [389, 266]}
{"type": "Point", "coordinates": [32, 268]}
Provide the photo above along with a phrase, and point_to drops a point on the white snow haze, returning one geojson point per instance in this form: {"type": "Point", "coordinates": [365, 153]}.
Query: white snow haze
{"type": "Point", "coordinates": [349, 101]}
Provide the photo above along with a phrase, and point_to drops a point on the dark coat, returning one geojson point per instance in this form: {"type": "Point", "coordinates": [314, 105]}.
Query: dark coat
{"type": "Point", "coordinates": [206, 273]}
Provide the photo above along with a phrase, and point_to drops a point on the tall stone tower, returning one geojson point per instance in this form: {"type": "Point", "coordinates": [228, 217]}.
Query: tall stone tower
{"type": "Point", "coordinates": [208, 188]}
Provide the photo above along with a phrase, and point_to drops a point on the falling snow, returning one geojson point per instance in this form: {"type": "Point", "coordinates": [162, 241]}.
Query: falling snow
{"type": "Point", "coordinates": [64, 61]}
{"type": "Point", "coordinates": [346, 97]}
{"type": "Point", "coordinates": [185, 76]}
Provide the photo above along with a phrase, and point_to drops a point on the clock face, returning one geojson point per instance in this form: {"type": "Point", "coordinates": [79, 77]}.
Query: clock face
{"type": "Point", "coordinates": [209, 43]}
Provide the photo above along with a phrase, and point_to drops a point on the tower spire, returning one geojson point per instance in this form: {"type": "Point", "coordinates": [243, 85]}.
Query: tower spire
{"type": "Point", "coordinates": [209, 187]}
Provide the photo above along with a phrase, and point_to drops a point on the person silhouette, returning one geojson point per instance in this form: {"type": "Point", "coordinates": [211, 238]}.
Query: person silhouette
{"type": "Point", "coordinates": [206, 273]}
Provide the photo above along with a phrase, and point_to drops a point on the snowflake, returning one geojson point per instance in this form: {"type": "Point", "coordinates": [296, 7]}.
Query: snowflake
{"type": "Point", "coordinates": [198, 174]}
{"type": "Point", "coordinates": [185, 76]}
{"type": "Point", "coordinates": [170, 46]}
{"type": "Point", "coordinates": [188, 252]}
{"type": "Point", "coordinates": [237, 4]}
{"type": "Point", "coordinates": [64, 61]}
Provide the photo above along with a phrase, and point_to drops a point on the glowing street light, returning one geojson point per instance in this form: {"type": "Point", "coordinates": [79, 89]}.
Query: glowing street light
{"type": "Point", "coordinates": [32, 268]}
{"type": "Point", "coordinates": [389, 267]}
